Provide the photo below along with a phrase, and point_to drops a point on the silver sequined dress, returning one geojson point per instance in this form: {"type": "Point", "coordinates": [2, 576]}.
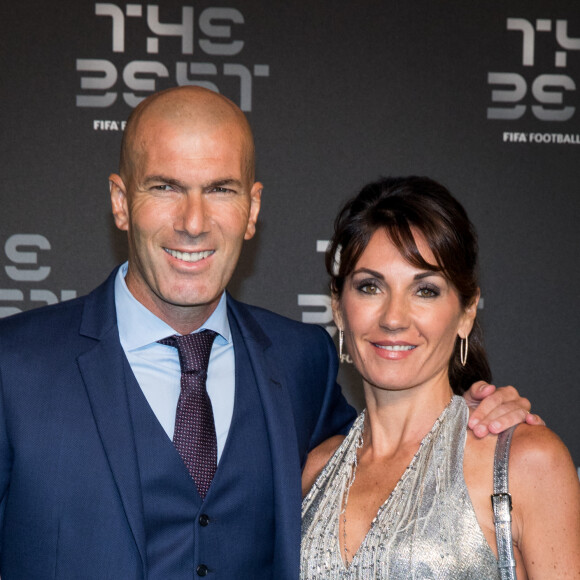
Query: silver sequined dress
{"type": "Point", "coordinates": [426, 528]}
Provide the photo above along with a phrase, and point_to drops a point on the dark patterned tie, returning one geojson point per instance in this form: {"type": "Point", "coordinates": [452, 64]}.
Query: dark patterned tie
{"type": "Point", "coordinates": [194, 436]}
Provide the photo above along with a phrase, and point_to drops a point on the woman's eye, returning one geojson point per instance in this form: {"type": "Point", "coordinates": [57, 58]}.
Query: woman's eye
{"type": "Point", "coordinates": [427, 292]}
{"type": "Point", "coordinates": [368, 288]}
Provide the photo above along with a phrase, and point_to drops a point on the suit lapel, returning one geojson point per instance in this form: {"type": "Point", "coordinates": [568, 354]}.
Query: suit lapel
{"type": "Point", "coordinates": [103, 372]}
{"type": "Point", "coordinates": [282, 434]}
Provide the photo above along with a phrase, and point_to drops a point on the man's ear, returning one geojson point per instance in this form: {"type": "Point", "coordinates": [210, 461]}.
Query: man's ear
{"type": "Point", "coordinates": [255, 204]}
{"type": "Point", "coordinates": [119, 203]}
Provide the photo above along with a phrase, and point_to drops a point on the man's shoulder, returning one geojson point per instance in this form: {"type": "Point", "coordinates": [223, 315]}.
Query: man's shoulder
{"type": "Point", "coordinates": [55, 318]}
{"type": "Point", "coordinates": [262, 314]}
{"type": "Point", "coordinates": [270, 321]}
{"type": "Point", "coordinates": [45, 315]}
{"type": "Point", "coordinates": [49, 332]}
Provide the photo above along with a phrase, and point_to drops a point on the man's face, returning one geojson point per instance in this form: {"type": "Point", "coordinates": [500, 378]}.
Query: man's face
{"type": "Point", "coordinates": [187, 206]}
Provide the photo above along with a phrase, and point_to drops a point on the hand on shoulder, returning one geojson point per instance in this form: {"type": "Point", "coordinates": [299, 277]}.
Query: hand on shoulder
{"type": "Point", "coordinates": [497, 409]}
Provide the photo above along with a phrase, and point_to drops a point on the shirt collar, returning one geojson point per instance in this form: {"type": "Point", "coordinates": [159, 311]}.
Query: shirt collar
{"type": "Point", "coordinates": [138, 326]}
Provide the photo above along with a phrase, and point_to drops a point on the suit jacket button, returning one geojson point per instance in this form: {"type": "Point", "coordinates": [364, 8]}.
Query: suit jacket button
{"type": "Point", "coordinates": [202, 570]}
{"type": "Point", "coordinates": [203, 520]}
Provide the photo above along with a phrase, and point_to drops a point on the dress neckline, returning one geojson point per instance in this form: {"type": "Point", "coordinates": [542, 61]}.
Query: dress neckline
{"type": "Point", "coordinates": [359, 426]}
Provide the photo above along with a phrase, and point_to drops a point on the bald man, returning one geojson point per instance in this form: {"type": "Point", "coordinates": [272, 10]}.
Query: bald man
{"type": "Point", "coordinates": [94, 479]}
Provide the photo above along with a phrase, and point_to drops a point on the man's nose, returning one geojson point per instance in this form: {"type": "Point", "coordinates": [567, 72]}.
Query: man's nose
{"type": "Point", "coordinates": [192, 217]}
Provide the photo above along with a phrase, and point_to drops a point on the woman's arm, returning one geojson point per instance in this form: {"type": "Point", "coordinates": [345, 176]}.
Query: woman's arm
{"type": "Point", "coordinates": [546, 504]}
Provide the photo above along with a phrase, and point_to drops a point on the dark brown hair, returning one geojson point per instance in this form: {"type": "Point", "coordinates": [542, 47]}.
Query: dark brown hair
{"type": "Point", "coordinates": [396, 205]}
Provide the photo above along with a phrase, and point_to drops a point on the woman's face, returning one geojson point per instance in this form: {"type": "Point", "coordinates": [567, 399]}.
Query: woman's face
{"type": "Point", "coordinates": [400, 322]}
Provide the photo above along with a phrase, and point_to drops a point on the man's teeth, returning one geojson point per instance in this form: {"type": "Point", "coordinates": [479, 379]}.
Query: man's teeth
{"type": "Point", "coordinates": [396, 347]}
{"type": "Point", "coordinates": [189, 256]}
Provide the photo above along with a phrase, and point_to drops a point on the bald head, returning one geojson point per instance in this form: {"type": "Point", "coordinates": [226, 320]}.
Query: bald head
{"type": "Point", "coordinates": [198, 109]}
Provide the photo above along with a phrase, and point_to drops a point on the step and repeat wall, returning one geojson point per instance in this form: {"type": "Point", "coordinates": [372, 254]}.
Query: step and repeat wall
{"type": "Point", "coordinates": [481, 96]}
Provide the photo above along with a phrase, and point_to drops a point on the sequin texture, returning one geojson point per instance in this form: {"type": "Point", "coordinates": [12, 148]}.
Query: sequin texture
{"type": "Point", "coordinates": [427, 528]}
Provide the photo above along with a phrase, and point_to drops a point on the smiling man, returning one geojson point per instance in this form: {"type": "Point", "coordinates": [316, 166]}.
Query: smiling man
{"type": "Point", "coordinates": [187, 198]}
{"type": "Point", "coordinates": [156, 428]}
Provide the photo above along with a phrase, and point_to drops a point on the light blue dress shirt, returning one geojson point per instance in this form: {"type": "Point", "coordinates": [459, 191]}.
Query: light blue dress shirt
{"type": "Point", "coordinates": [156, 366]}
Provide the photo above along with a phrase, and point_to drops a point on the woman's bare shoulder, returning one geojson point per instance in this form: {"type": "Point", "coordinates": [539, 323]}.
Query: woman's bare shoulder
{"type": "Point", "coordinates": [317, 459]}
{"type": "Point", "coordinates": [546, 503]}
{"type": "Point", "coordinates": [540, 464]}
{"type": "Point", "coordinates": [539, 449]}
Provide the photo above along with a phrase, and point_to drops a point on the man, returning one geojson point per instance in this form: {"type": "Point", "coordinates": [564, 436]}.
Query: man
{"type": "Point", "coordinates": [91, 485]}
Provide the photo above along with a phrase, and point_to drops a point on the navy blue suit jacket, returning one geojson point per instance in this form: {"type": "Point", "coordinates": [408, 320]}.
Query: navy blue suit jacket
{"type": "Point", "coordinates": [70, 501]}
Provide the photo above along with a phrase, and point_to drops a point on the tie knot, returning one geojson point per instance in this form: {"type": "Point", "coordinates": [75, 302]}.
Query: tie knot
{"type": "Point", "coordinates": [194, 349]}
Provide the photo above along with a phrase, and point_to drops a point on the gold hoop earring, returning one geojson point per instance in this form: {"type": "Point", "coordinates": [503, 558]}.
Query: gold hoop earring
{"type": "Point", "coordinates": [340, 343]}
{"type": "Point", "coordinates": [463, 350]}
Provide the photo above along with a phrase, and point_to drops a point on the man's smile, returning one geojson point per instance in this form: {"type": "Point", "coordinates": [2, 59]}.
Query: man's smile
{"type": "Point", "coordinates": [189, 256]}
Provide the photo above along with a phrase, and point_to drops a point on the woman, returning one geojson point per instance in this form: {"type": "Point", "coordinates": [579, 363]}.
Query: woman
{"type": "Point", "coordinates": [407, 493]}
